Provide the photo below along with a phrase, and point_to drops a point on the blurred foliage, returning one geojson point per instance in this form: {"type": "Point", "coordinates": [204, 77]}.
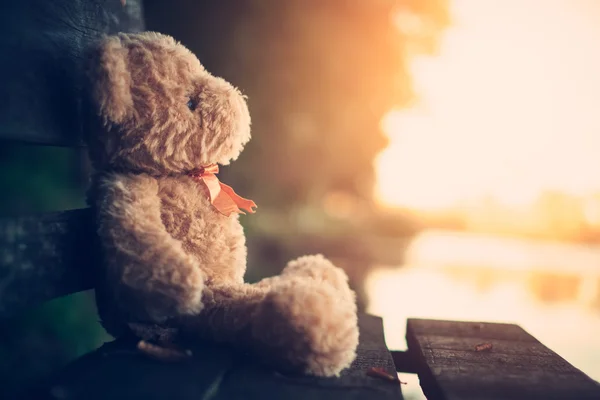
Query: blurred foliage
{"type": "Point", "coordinates": [39, 179]}
{"type": "Point", "coordinates": [319, 76]}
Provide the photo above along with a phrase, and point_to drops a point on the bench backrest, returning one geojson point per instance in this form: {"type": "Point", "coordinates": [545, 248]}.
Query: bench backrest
{"type": "Point", "coordinates": [42, 47]}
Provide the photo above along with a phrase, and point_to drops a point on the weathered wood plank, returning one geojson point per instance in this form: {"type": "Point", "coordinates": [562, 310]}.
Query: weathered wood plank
{"type": "Point", "coordinates": [117, 371]}
{"type": "Point", "coordinates": [42, 43]}
{"type": "Point", "coordinates": [517, 366]}
{"type": "Point", "coordinates": [43, 257]}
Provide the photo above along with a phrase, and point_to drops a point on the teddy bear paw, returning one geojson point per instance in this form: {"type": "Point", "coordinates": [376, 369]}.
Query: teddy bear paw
{"type": "Point", "coordinates": [306, 326]}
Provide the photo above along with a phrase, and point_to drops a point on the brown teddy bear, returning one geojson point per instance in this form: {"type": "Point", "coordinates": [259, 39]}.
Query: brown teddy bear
{"type": "Point", "coordinates": [174, 250]}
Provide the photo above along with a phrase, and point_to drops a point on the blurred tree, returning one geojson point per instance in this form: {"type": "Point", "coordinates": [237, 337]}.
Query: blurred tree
{"type": "Point", "coordinates": [319, 76]}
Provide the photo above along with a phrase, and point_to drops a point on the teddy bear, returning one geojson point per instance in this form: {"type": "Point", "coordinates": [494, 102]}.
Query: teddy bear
{"type": "Point", "coordinates": [173, 249]}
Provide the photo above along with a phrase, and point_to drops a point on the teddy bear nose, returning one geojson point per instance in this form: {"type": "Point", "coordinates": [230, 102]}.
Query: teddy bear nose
{"type": "Point", "coordinates": [235, 109]}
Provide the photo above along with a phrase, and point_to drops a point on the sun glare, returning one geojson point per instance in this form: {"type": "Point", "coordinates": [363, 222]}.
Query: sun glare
{"type": "Point", "coordinates": [503, 143]}
{"type": "Point", "coordinates": [508, 109]}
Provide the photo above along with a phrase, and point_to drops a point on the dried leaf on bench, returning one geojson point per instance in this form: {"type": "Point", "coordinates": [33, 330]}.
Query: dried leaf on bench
{"type": "Point", "coordinates": [483, 347]}
{"type": "Point", "coordinates": [163, 353]}
{"type": "Point", "coordinates": [383, 374]}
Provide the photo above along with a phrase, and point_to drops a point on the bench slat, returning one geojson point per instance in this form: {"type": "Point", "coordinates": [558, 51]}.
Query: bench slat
{"type": "Point", "coordinates": [118, 371]}
{"type": "Point", "coordinates": [44, 257]}
{"type": "Point", "coordinates": [42, 43]}
{"type": "Point", "coordinates": [517, 367]}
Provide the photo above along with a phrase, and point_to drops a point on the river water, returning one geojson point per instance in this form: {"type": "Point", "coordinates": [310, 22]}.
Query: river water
{"type": "Point", "coordinates": [551, 289]}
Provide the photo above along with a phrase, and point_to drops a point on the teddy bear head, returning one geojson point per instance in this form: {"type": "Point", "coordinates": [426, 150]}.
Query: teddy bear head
{"type": "Point", "coordinates": [159, 110]}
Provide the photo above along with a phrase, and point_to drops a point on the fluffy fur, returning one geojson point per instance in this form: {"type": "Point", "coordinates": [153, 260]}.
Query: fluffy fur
{"type": "Point", "coordinates": [171, 259]}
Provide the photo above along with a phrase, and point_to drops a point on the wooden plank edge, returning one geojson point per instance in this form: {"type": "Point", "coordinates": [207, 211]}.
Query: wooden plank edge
{"type": "Point", "coordinates": [429, 385]}
{"type": "Point", "coordinates": [46, 256]}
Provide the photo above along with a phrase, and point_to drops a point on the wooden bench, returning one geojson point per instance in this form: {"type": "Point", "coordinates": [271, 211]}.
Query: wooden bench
{"type": "Point", "coordinates": [51, 255]}
{"type": "Point", "coordinates": [477, 360]}
{"type": "Point", "coordinates": [46, 256]}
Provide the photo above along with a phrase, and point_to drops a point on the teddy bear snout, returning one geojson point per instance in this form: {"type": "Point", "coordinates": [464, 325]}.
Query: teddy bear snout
{"type": "Point", "coordinates": [225, 121]}
{"type": "Point", "coordinates": [239, 109]}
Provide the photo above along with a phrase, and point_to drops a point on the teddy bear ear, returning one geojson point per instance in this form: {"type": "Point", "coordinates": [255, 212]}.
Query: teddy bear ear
{"type": "Point", "coordinates": [110, 80]}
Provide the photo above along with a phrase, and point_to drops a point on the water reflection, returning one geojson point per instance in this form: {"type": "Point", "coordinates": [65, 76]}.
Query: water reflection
{"type": "Point", "coordinates": [551, 289]}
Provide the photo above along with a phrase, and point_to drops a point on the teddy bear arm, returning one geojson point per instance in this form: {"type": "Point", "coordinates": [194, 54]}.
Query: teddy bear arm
{"type": "Point", "coordinates": [148, 267]}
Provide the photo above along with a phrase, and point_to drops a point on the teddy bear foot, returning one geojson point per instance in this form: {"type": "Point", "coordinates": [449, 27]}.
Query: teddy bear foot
{"type": "Point", "coordinates": [308, 327]}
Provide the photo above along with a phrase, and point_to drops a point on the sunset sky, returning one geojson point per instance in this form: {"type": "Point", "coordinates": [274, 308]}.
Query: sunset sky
{"type": "Point", "coordinates": [508, 108]}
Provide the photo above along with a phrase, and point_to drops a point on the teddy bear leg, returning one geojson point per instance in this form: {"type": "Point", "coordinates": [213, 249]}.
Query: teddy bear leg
{"type": "Point", "coordinates": [292, 323]}
{"type": "Point", "coordinates": [308, 324]}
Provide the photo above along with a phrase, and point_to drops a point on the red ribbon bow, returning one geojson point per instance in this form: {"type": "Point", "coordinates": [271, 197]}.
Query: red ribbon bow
{"type": "Point", "coordinates": [221, 196]}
